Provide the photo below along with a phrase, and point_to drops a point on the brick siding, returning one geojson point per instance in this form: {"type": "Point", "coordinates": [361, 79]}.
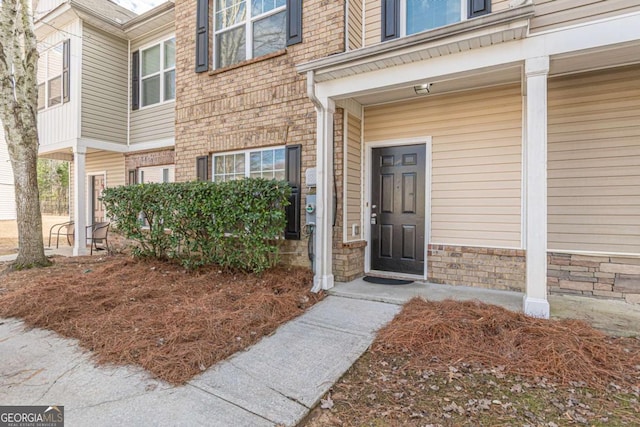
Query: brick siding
{"type": "Point", "coordinates": [262, 102]}
{"type": "Point", "coordinates": [149, 158]}
{"type": "Point", "coordinates": [477, 267]}
{"type": "Point", "coordinates": [602, 276]}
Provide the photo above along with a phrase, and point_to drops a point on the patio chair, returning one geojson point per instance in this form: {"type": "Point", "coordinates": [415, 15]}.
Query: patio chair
{"type": "Point", "coordinates": [62, 229]}
{"type": "Point", "coordinates": [98, 233]}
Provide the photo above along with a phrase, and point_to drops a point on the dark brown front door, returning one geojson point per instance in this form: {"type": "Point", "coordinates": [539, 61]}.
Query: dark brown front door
{"type": "Point", "coordinates": [397, 209]}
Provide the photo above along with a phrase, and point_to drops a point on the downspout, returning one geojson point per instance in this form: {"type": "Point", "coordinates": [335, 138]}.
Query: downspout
{"type": "Point", "coordinates": [311, 93]}
{"type": "Point", "coordinates": [311, 90]}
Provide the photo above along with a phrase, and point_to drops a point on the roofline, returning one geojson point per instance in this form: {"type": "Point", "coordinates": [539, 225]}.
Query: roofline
{"type": "Point", "coordinates": [159, 10]}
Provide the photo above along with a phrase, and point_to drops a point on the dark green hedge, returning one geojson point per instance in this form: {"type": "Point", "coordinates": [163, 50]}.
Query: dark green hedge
{"type": "Point", "coordinates": [233, 224]}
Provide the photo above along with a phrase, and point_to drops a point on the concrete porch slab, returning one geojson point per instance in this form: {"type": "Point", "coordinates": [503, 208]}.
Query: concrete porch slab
{"type": "Point", "coordinates": [610, 316]}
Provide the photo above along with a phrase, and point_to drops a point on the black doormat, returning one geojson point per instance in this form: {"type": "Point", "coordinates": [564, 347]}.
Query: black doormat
{"type": "Point", "coordinates": [385, 281]}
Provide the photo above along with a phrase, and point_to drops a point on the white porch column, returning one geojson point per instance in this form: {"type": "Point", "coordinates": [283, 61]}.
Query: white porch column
{"type": "Point", "coordinates": [323, 278]}
{"type": "Point", "coordinates": [535, 154]}
{"type": "Point", "coordinates": [79, 201]}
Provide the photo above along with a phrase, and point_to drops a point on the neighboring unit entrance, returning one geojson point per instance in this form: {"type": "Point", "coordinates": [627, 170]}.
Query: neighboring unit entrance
{"type": "Point", "coordinates": [397, 209]}
{"type": "Point", "coordinates": [97, 207]}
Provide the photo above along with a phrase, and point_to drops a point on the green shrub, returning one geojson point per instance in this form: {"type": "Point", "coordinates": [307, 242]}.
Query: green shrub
{"type": "Point", "coordinates": [233, 224]}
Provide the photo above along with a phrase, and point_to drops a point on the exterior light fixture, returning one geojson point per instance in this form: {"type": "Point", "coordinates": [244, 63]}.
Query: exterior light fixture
{"type": "Point", "coordinates": [422, 89]}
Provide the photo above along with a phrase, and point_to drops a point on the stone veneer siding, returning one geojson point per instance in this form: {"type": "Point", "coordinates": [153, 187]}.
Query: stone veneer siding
{"type": "Point", "coordinates": [477, 267]}
{"type": "Point", "coordinates": [149, 158]}
{"type": "Point", "coordinates": [604, 276]}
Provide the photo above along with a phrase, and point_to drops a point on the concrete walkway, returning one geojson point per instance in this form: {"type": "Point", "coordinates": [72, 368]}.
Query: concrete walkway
{"type": "Point", "coordinates": [277, 381]}
{"type": "Point", "coordinates": [48, 251]}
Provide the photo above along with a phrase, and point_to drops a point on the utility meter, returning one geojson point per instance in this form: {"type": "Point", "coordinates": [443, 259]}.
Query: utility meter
{"type": "Point", "coordinates": [310, 208]}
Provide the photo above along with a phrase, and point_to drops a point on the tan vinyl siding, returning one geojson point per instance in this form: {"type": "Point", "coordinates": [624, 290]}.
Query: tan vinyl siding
{"type": "Point", "coordinates": [372, 19]}
{"type": "Point", "coordinates": [498, 5]}
{"type": "Point", "coordinates": [354, 178]}
{"type": "Point", "coordinates": [551, 14]}
{"type": "Point", "coordinates": [354, 30]}
{"type": "Point", "coordinates": [155, 122]}
{"type": "Point", "coordinates": [476, 160]}
{"type": "Point", "coordinates": [594, 162]}
{"type": "Point", "coordinates": [104, 86]}
{"type": "Point", "coordinates": [111, 163]}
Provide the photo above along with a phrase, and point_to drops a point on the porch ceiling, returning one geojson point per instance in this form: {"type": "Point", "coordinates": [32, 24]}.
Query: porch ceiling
{"type": "Point", "coordinates": [481, 78]}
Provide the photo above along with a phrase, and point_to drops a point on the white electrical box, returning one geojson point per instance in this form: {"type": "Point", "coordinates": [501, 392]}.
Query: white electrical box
{"type": "Point", "coordinates": [310, 177]}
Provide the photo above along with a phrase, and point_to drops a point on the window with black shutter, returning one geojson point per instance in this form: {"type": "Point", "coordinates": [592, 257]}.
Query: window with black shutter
{"type": "Point", "coordinates": [294, 22]}
{"type": "Point", "coordinates": [133, 177]}
{"type": "Point", "coordinates": [202, 168]}
{"type": "Point", "coordinates": [202, 36]}
{"type": "Point", "coordinates": [135, 80]}
{"type": "Point", "coordinates": [479, 8]}
{"type": "Point", "coordinates": [66, 78]}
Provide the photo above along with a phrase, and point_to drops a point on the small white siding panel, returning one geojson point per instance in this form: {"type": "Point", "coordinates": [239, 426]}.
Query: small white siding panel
{"type": "Point", "coordinates": [476, 161]}
{"type": "Point", "coordinates": [157, 122]}
{"type": "Point", "coordinates": [60, 124]}
{"type": "Point", "coordinates": [104, 86]}
{"type": "Point", "coordinates": [7, 195]}
{"type": "Point", "coordinates": [157, 174]}
{"type": "Point", "coordinates": [594, 162]}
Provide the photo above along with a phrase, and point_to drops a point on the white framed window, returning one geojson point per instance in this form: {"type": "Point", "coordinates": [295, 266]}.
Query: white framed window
{"type": "Point", "coordinates": [423, 15]}
{"type": "Point", "coordinates": [158, 73]}
{"type": "Point", "coordinates": [50, 77]}
{"type": "Point", "coordinates": [246, 29]}
{"type": "Point", "coordinates": [268, 163]}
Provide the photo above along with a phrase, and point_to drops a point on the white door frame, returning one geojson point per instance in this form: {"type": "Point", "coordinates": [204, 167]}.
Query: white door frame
{"type": "Point", "coordinates": [368, 155]}
{"type": "Point", "coordinates": [89, 194]}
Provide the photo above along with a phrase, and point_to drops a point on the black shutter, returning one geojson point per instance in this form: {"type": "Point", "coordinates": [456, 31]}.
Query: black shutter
{"type": "Point", "coordinates": [479, 7]}
{"type": "Point", "coordinates": [294, 22]}
{"type": "Point", "coordinates": [292, 171]}
{"type": "Point", "coordinates": [202, 36]}
{"type": "Point", "coordinates": [66, 60]}
{"type": "Point", "coordinates": [135, 80]}
{"type": "Point", "coordinates": [390, 19]}
{"type": "Point", "coordinates": [133, 177]}
{"type": "Point", "coordinates": [202, 168]}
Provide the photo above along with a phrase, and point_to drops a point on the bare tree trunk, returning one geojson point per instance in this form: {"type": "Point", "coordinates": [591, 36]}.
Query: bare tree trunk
{"type": "Point", "coordinates": [18, 112]}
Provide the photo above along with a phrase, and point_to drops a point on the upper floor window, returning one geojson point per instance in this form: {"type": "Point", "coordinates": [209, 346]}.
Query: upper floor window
{"type": "Point", "coordinates": [406, 17]}
{"type": "Point", "coordinates": [158, 73]}
{"type": "Point", "coordinates": [247, 29]}
{"type": "Point", "coordinates": [50, 77]}
{"type": "Point", "coordinates": [422, 15]}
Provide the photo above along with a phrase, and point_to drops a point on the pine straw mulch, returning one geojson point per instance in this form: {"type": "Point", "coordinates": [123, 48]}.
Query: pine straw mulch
{"type": "Point", "coordinates": [172, 322]}
{"type": "Point", "coordinates": [448, 333]}
{"type": "Point", "coordinates": [454, 363]}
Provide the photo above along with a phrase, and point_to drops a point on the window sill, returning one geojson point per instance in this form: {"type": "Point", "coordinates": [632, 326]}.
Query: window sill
{"type": "Point", "coordinates": [249, 62]}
